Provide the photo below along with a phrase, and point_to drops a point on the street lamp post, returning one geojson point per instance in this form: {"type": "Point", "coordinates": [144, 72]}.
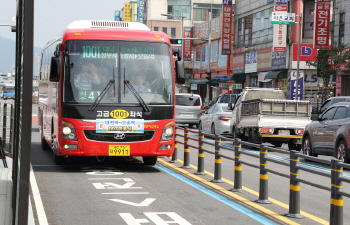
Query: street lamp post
{"type": "Point", "coordinates": [182, 29]}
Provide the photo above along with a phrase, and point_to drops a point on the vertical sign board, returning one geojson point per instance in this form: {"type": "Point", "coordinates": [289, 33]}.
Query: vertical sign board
{"type": "Point", "coordinates": [187, 45]}
{"type": "Point", "coordinates": [127, 12]}
{"type": "Point", "coordinates": [322, 18]}
{"type": "Point", "coordinates": [226, 27]}
{"type": "Point", "coordinates": [141, 10]}
{"type": "Point", "coordinates": [293, 79]}
{"type": "Point", "coordinates": [264, 59]}
{"type": "Point", "coordinates": [279, 30]}
{"type": "Point", "coordinates": [238, 63]}
{"type": "Point", "coordinates": [251, 62]}
{"type": "Point", "coordinates": [117, 15]}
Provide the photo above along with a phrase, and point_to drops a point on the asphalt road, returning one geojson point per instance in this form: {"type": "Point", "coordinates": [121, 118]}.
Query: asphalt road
{"type": "Point", "coordinates": [315, 203]}
{"type": "Point", "coordinates": [124, 191]}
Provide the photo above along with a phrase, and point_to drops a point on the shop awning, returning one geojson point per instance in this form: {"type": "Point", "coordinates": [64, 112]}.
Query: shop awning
{"type": "Point", "coordinates": [276, 75]}
{"type": "Point", "coordinates": [240, 76]}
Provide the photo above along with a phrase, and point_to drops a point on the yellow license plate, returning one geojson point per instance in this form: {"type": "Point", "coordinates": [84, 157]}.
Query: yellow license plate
{"type": "Point", "coordinates": [119, 150]}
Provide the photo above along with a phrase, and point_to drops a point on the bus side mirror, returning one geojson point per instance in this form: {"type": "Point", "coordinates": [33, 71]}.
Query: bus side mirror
{"type": "Point", "coordinates": [180, 71]}
{"type": "Point", "coordinates": [55, 69]}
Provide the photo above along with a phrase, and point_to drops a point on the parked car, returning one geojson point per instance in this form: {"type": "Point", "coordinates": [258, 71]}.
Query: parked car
{"type": "Point", "coordinates": [188, 109]}
{"type": "Point", "coordinates": [216, 119]}
{"type": "Point", "coordinates": [330, 134]}
{"type": "Point", "coordinates": [227, 98]}
{"type": "Point", "coordinates": [316, 112]}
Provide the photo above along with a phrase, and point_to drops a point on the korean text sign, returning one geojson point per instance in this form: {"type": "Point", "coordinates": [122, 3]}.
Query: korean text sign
{"type": "Point", "coordinates": [321, 31]}
{"type": "Point", "coordinates": [226, 27]}
{"type": "Point", "coordinates": [187, 45]}
{"type": "Point", "coordinates": [119, 126]}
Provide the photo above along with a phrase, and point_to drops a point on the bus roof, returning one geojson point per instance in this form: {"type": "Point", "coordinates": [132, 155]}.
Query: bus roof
{"type": "Point", "coordinates": [87, 24]}
{"type": "Point", "coordinates": [108, 30]}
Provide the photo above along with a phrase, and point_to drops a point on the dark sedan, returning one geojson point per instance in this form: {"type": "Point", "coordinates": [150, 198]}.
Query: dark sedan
{"type": "Point", "coordinates": [330, 134]}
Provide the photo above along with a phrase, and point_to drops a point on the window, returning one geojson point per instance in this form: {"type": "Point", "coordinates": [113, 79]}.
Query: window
{"type": "Point", "coordinates": [329, 114]}
{"type": "Point", "coordinates": [173, 32]}
{"type": "Point", "coordinates": [201, 11]}
{"type": "Point", "coordinates": [165, 30]}
{"type": "Point", "coordinates": [186, 100]}
{"type": "Point", "coordinates": [179, 7]}
{"type": "Point", "coordinates": [325, 106]}
{"type": "Point", "coordinates": [156, 28]}
{"type": "Point", "coordinates": [340, 113]}
{"type": "Point", "coordinates": [341, 28]}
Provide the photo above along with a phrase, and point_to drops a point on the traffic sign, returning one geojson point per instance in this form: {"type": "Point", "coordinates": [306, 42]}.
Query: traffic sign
{"type": "Point", "coordinates": [221, 76]}
{"type": "Point", "coordinates": [283, 18]}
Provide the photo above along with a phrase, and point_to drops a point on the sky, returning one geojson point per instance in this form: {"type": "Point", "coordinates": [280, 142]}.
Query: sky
{"type": "Point", "coordinates": [52, 16]}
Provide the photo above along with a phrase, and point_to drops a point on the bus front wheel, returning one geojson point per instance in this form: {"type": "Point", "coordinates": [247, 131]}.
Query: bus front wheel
{"type": "Point", "coordinates": [59, 160]}
{"type": "Point", "coordinates": [150, 160]}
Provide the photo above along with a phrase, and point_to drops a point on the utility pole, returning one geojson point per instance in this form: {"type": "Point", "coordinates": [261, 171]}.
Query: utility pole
{"type": "Point", "coordinates": [208, 70]}
{"type": "Point", "coordinates": [297, 78]}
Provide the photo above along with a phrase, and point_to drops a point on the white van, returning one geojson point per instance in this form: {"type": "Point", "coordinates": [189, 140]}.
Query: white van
{"type": "Point", "coordinates": [188, 109]}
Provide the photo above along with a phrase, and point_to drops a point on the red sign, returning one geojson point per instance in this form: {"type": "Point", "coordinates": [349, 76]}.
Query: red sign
{"type": "Point", "coordinates": [187, 45]}
{"type": "Point", "coordinates": [321, 31]}
{"type": "Point", "coordinates": [281, 8]}
{"type": "Point", "coordinates": [226, 30]}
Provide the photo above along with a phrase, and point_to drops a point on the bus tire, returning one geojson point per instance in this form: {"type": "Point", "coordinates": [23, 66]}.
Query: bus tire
{"type": "Point", "coordinates": [59, 160]}
{"type": "Point", "coordinates": [150, 160]}
{"type": "Point", "coordinates": [44, 145]}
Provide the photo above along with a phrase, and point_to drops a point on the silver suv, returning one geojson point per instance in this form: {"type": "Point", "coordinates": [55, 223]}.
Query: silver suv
{"type": "Point", "coordinates": [188, 109]}
{"type": "Point", "coordinates": [330, 134]}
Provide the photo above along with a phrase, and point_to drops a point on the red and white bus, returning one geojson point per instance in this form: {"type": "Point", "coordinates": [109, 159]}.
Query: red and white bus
{"type": "Point", "coordinates": [107, 89]}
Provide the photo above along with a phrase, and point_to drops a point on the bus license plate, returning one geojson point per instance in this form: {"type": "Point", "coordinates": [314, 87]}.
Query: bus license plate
{"type": "Point", "coordinates": [119, 150]}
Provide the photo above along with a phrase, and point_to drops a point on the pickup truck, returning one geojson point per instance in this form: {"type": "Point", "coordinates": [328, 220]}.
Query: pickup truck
{"type": "Point", "coordinates": [264, 115]}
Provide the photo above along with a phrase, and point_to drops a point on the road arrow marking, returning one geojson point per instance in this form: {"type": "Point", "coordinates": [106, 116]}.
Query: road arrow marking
{"type": "Point", "coordinates": [145, 202]}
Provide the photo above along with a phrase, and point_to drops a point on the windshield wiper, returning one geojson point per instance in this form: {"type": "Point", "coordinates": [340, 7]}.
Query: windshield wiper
{"type": "Point", "coordinates": [101, 95]}
{"type": "Point", "coordinates": [137, 95]}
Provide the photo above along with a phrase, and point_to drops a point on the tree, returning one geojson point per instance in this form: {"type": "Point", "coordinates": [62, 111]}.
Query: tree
{"type": "Point", "coordinates": [329, 61]}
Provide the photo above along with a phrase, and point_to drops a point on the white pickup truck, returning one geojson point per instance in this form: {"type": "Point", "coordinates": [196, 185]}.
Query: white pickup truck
{"type": "Point", "coordinates": [265, 115]}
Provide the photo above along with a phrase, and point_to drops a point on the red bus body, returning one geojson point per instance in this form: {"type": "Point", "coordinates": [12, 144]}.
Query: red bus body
{"type": "Point", "coordinates": [52, 109]}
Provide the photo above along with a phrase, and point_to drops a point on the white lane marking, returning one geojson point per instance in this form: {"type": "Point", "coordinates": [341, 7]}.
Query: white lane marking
{"type": "Point", "coordinates": [145, 202]}
{"type": "Point", "coordinates": [37, 199]}
{"type": "Point", "coordinates": [126, 193]}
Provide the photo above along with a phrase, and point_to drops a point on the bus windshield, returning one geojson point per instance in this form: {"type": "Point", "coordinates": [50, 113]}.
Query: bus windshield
{"type": "Point", "coordinates": [89, 65]}
{"type": "Point", "coordinates": [9, 89]}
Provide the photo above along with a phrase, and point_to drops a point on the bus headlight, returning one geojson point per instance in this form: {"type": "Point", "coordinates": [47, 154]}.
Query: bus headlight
{"type": "Point", "coordinates": [68, 131]}
{"type": "Point", "coordinates": [168, 132]}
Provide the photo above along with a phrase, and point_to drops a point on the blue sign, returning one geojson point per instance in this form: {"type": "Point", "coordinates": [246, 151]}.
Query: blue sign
{"type": "Point", "coordinates": [281, 2]}
{"type": "Point", "coordinates": [269, 1]}
{"type": "Point", "coordinates": [117, 15]}
{"type": "Point", "coordinates": [141, 10]}
{"type": "Point", "coordinates": [226, 2]}
{"type": "Point", "coordinates": [278, 61]}
{"type": "Point", "coordinates": [293, 85]}
{"type": "Point", "coordinates": [221, 76]}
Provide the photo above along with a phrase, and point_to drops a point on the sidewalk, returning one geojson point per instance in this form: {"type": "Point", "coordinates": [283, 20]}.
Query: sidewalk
{"type": "Point", "coordinates": [6, 188]}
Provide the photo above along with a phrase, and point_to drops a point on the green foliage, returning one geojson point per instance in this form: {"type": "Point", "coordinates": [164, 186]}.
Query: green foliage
{"type": "Point", "coordinates": [329, 61]}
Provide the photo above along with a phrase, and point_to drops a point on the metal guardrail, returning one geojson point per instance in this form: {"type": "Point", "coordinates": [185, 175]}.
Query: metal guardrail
{"type": "Point", "coordinates": [336, 174]}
